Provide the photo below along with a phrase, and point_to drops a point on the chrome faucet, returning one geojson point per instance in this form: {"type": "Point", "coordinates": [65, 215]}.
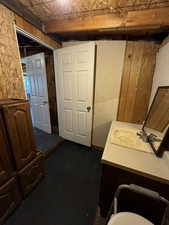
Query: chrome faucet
{"type": "Point", "coordinates": [153, 138]}
{"type": "Point", "coordinates": [148, 138]}
{"type": "Point", "coordinates": [143, 136]}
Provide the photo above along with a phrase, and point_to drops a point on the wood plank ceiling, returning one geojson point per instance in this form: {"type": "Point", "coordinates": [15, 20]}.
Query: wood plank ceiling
{"type": "Point", "coordinates": [62, 9]}
{"type": "Point", "coordinates": [96, 19]}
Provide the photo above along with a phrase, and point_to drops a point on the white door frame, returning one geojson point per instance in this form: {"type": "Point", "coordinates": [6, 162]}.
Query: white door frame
{"type": "Point", "coordinates": [30, 36]}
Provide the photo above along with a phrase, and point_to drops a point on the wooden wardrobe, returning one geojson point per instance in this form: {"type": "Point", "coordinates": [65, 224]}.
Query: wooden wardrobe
{"type": "Point", "coordinates": [20, 163]}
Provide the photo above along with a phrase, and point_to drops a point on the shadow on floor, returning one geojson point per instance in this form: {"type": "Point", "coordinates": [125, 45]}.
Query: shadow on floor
{"type": "Point", "coordinates": [69, 193]}
{"type": "Point", "coordinates": [45, 141]}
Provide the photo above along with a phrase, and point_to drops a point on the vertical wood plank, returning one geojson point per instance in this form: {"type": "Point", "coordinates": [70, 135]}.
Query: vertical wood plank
{"type": "Point", "coordinates": [145, 82]}
{"type": "Point", "coordinates": [133, 82]}
{"type": "Point", "coordinates": [125, 80]}
{"type": "Point", "coordinates": [137, 80]}
{"type": "Point", "coordinates": [51, 91]}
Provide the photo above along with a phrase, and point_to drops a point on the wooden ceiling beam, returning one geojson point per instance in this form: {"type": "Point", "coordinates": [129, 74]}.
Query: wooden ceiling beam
{"type": "Point", "coordinates": [132, 19]}
{"type": "Point", "coordinates": [22, 11]}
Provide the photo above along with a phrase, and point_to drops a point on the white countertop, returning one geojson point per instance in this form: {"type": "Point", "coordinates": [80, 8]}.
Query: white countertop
{"type": "Point", "coordinates": [144, 163]}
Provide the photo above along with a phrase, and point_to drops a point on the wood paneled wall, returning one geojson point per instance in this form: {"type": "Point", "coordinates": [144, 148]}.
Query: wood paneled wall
{"type": "Point", "coordinates": [138, 71]}
{"type": "Point", "coordinates": [11, 84]}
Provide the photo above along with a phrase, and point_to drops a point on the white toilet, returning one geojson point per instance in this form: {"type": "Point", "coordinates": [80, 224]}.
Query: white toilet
{"type": "Point", "coordinates": [127, 218]}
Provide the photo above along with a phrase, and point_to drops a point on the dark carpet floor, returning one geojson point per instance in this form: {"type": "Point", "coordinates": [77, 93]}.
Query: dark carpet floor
{"type": "Point", "coordinates": [45, 141]}
{"type": "Point", "coordinates": [68, 195]}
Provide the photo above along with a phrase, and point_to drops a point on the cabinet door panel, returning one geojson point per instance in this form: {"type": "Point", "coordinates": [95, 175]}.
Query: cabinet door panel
{"type": "Point", "coordinates": [31, 174]}
{"type": "Point", "coordinates": [5, 163]}
{"type": "Point", "coordinates": [19, 127]}
{"type": "Point", "coordinates": [9, 199]}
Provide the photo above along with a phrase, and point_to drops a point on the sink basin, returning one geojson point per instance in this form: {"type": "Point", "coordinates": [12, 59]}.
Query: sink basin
{"type": "Point", "coordinates": [127, 137]}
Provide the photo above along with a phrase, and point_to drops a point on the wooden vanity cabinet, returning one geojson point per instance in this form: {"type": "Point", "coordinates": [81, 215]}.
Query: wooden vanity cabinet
{"type": "Point", "coordinates": [6, 168]}
{"type": "Point", "coordinates": [20, 132]}
{"type": "Point", "coordinates": [10, 198]}
{"type": "Point", "coordinates": [31, 174]}
{"type": "Point", "coordinates": [20, 163]}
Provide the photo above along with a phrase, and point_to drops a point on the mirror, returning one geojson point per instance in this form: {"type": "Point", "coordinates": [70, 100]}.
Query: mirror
{"type": "Point", "coordinates": [156, 125]}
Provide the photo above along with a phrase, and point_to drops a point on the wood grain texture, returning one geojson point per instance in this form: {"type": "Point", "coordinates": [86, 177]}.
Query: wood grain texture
{"type": "Point", "coordinates": [31, 174]}
{"type": "Point", "coordinates": [20, 132]}
{"type": "Point", "coordinates": [6, 169]}
{"type": "Point", "coordinates": [52, 9]}
{"type": "Point", "coordinates": [10, 198]}
{"type": "Point", "coordinates": [150, 17]}
{"type": "Point", "coordinates": [11, 84]}
{"type": "Point", "coordinates": [137, 80]}
{"type": "Point", "coordinates": [158, 116]}
{"type": "Point", "coordinates": [21, 23]}
{"type": "Point", "coordinates": [51, 91]}
{"type": "Point", "coordinates": [20, 9]}
{"type": "Point", "coordinates": [138, 20]}
{"type": "Point", "coordinates": [11, 80]}
{"type": "Point", "coordinates": [86, 23]}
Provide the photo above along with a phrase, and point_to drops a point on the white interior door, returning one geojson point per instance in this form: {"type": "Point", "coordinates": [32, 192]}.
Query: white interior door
{"type": "Point", "coordinates": [74, 69]}
{"type": "Point", "coordinates": [36, 70]}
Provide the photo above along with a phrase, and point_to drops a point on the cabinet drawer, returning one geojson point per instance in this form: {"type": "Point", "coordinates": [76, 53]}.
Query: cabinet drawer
{"type": "Point", "coordinates": [9, 199]}
{"type": "Point", "coordinates": [31, 174]}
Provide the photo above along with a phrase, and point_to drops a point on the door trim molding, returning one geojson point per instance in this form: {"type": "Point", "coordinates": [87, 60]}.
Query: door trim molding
{"type": "Point", "coordinates": [27, 34]}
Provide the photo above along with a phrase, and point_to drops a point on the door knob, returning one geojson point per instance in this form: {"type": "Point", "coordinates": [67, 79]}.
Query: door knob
{"type": "Point", "coordinates": [45, 102]}
{"type": "Point", "coordinates": [88, 108]}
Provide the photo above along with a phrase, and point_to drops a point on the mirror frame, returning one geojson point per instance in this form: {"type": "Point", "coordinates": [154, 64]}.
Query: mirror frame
{"type": "Point", "coordinates": [159, 152]}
